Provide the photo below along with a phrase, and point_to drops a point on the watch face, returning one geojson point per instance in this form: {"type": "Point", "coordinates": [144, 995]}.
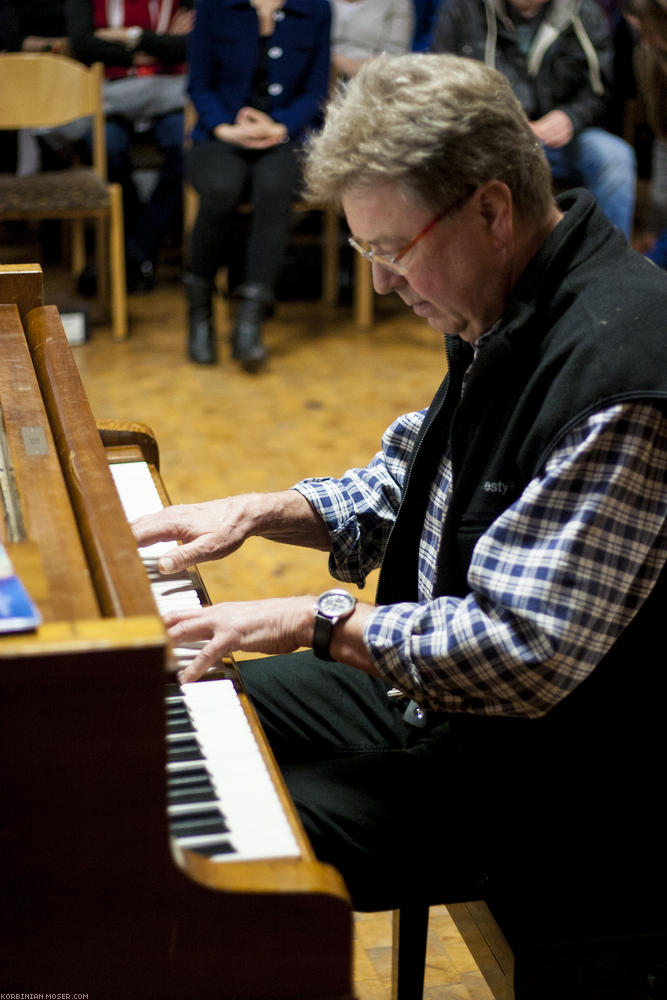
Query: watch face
{"type": "Point", "coordinates": [335, 603]}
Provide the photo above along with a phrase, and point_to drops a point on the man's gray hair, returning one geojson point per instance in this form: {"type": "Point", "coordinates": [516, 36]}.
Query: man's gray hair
{"type": "Point", "coordinates": [437, 126]}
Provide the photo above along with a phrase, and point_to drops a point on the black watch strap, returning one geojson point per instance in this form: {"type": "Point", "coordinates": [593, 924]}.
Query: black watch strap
{"type": "Point", "coordinates": [322, 637]}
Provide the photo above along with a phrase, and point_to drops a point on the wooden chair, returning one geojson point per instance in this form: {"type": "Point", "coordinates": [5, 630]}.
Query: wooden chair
{"type": "Point", "coordinates": [521, 958]}
{"type": "Point", "coordinates": [44, 90]}
{"type": "Point", "coordinates": [478, 929]}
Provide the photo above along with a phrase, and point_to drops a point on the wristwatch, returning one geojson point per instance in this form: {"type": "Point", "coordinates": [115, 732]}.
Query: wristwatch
{"type": "Point", "coordinates": [133, 37]}
{"type": "Point", "coordinates": [331, 607]}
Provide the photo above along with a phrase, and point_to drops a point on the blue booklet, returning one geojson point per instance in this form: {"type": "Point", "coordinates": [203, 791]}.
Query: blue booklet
{"type": "Point", "coordinates": [17, 611]}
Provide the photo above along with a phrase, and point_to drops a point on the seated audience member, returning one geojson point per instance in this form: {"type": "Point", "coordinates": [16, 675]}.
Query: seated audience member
{"type": "Point", "coordinates": [29, 26]}
{"type": "Point", "coordinates": [622, 85]}
{"type": "Point", "coordinates": [649, 18]}
{"type": "Point", "coordinates": [558, 56]}
{"type": "Point", "coordinates": [259, 76]}
{"type": "Point", "coordinates": [426, 12]}
{"type": "Point", "coordinates": [612, 9]}
{"type": "Point", "coordinates": [143, 45]}
{"type": "Point", "coordinates": [509, 664]}
{"type": "Point", "coordinates": [360, 29]}
{"type": "Point", "coordinates": [33, 26]}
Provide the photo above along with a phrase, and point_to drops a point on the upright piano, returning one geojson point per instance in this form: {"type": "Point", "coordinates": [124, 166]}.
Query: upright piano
{"type": "Point", "coordinates": [107, 888]}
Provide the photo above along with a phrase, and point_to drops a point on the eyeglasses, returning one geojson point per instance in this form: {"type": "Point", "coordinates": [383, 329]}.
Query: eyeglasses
{"type": "Point", "coordinates": [392, 261]}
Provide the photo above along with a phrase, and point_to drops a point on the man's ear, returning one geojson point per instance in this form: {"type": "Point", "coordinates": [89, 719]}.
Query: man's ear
{"type": "Point", "coordinates": [496, 209]}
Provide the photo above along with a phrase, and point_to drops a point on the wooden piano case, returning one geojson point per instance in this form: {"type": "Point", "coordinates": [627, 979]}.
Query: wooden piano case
{"type": "Point", "coordinates": [94, 897]}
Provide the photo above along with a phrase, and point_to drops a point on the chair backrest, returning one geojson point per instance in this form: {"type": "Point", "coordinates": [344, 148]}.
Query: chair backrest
{"type": "Point", "coordinates": [45, 90]}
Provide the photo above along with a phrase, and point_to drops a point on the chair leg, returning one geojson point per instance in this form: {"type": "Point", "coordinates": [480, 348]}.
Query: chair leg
{"type": "Point", "coordinates": [409, 931]}
{"type": "Point", "coordinates": [117, 261]}
{"type": "Point", "coordinates": [330, 257]}
{"type": "Point", "coordinates": [363, 292]}
{"type": "Point", "coordinates": [77, 246]}
{"type": "Point", "coordinates": [103, 258]}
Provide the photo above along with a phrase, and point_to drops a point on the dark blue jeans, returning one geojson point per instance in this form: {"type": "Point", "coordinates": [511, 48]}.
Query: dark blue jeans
{"type": "Point", "coordinates": [147, 224]}
{"type": "Point", "coordinates": [606, 165]}
{"type": "Point", "coordinates": [658, 252]}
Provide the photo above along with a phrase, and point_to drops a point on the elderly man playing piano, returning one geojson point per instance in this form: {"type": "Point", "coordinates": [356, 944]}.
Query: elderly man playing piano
{"type": "Point", "coordinates": [495, 718]}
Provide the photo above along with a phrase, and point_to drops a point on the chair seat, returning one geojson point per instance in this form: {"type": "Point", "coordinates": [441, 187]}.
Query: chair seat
{"type": "Point", "coordinates": [53, 193]}
{"type": "Point", "coordinates": [47, 91]}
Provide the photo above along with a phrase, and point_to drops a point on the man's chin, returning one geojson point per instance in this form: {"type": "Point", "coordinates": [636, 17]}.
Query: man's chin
{"type": "Point", "coordinates": [462, 330]}
{"type": "Point", "coordinates": [439, 324]}
{"type": "Point", "coordinates": [435, 319]}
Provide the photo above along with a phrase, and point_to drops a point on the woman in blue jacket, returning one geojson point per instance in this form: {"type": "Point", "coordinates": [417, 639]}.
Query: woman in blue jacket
{"type": "Point", "coordinates": [259, 76]}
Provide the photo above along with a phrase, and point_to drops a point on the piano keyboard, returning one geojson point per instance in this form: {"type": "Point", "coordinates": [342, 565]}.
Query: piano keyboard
{"type": "Point", "coordinates": [220, 797]}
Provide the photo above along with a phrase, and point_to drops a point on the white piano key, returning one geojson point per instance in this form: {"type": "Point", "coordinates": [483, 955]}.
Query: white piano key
{"type": "Point", "coordinates": [245, 794]}
{"type": "Point", "coordinates": [250, 800]}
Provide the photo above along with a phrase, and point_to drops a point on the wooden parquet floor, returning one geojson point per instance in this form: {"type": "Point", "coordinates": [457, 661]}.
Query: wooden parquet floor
{"type": "Point", "coordinates": [319, 407]}
{"type": "Point", "coordinates": [451, 972]}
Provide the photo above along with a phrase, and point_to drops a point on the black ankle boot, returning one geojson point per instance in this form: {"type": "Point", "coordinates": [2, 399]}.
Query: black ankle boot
{"type": "Point", "coordinates": [247, 347]}
{"type": "Point", "coordinates": [201, 336]}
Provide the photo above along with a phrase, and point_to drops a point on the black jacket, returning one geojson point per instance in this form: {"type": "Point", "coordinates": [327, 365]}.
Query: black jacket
{"type": "Point", "coordinates": [569, 66]}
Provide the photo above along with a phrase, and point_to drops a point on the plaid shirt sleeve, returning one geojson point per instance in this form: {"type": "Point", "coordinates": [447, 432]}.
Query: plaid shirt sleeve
{"type": "Point", "coordinates": [360, 508]}
{"type": "Point", "coordinates": [553, 581]}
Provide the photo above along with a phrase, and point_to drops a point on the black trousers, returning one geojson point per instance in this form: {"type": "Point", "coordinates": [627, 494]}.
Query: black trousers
{"type": "Point", "coordinates": [225, 176]}
{"type": "Point", "coordinates": [375, 794]}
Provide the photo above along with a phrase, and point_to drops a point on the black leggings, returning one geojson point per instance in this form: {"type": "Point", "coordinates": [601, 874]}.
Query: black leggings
{"type": "Point", "coordinates": [371, 790]}
{"type": "Point", "coordinates": [225, 176]}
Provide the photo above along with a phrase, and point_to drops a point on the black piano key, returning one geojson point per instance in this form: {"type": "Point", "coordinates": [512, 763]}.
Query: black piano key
{"type": "Point", "coordinates": [179, 725]}
{"type": "Point", "coordinates": [197, 824]}
{"type": "Point", "coordinates": [215, 848]}
{"type": "Point", "coordinates": [186, 796]}
{"type": "Point", "coordinates": [177, 708]}
{"type": "Point", "coordinates": [181, 750]}
{"type": "Point", "coordinates": [193, 777]}
{"type": "Point", "coordinates": [198, 785]}
{"type": "Point", "coordinates": [199, 789]}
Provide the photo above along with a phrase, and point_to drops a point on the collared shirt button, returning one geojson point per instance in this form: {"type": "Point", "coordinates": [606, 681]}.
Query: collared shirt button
{"type": "Point", "coordinates": [275, 52]}
{"type": "Point", "coordinates": [279, 15]}
{"type": "Point", "coordinates": [275, 89]}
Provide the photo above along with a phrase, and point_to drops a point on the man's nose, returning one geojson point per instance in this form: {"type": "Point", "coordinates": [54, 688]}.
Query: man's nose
{"type": "Point", "coordinates": [385, 280]}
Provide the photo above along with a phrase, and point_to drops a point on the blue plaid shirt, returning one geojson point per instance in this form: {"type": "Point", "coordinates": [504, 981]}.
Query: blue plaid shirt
{"type": "Point", "coordinates": [553, 581]}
